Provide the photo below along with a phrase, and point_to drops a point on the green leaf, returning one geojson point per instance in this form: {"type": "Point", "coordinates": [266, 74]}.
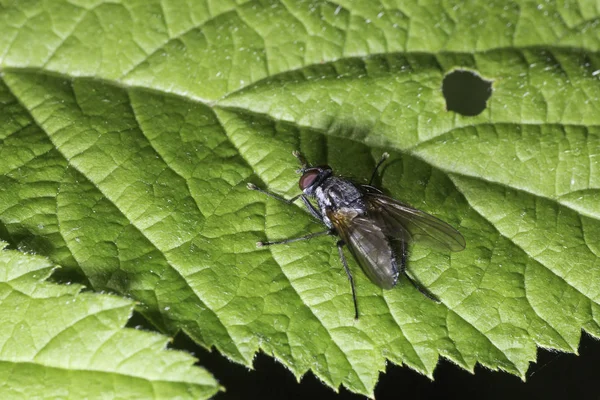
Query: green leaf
{"type": "Point", "coordinates": [130, 130]}
{"type": "Point", "coordinates": [58, 342]}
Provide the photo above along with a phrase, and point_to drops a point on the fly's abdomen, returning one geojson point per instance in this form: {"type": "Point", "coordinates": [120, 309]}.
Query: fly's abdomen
{"type": "Point", "coordinates": [368, 244]}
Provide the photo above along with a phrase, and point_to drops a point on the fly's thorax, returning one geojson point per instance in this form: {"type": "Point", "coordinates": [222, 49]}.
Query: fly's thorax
{"type": "Point", "coordinates": [324, 204]}
{"type": "Point", "coordinates": [337, 193]}
{"type": "Point", "coordinates": [342, 193]}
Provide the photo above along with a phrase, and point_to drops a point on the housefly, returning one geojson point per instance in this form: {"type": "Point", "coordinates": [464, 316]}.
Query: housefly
{"type": "Point", "coordinates": [375, 227]}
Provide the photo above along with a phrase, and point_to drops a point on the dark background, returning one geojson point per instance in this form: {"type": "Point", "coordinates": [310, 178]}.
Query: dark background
{"type": "Point", "coordinates": [554, 376]}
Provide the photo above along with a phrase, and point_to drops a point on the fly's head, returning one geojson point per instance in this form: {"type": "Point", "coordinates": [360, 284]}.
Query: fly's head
{"type": "Point", "coordinates": [312, 177]}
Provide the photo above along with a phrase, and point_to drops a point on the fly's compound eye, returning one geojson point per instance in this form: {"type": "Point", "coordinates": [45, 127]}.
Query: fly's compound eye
{"type": "Point", "coordinates": [308, 178]}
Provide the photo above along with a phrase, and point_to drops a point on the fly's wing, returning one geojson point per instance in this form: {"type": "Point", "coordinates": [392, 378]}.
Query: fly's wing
{"type": "Point", "coordinates": [398, 219]}
{"type": "Point", "coordinates": [369, 245]}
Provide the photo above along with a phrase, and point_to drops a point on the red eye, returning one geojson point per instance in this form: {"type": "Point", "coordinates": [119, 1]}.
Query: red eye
{"type": "Point", "coordinates": [308, 178]}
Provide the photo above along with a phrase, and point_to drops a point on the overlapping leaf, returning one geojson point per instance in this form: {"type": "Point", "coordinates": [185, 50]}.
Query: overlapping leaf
{"type": "Point", "coordinates": [131, 129]}
{"type": "Point", "coordinates": [57, 342]}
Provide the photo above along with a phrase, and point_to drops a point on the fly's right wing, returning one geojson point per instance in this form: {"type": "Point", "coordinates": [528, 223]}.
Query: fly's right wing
{"type": "Point", "coordinates": [369, 245]}
{"type": "Point", "coordinates": [400, 221]}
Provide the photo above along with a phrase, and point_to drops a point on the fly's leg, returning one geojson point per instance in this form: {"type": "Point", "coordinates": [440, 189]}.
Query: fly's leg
{"type": "Point", "coordinates": [304, 164]}
{"type": "Point", "coordinates": [402, 271]}
{"type": "Point", "coordinates": [252, 186]}
{"type": "Point", "coordinates": [384, 157]}
{"type": "Point", "coordinates": [301, 159]}
{"type": "Point", "coordinates": [309, 206]}
{"type": "Point", "coordinates": [340, 246]}
{"type": "Point", "coordinates": [313, 211]}
{"type": "Point", "coordinates": [297, 239]}
{"type": "Point", "coordinates": [421, 289]}
{"type": "Point", "coordinates": [403, 257]}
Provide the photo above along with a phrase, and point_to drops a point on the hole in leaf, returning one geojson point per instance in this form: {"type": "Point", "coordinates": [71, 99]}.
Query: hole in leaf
{"type": "Point", "coordinates": [466, 92]}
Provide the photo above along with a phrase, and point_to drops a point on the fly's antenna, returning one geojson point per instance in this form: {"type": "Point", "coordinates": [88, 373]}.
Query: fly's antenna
{"type": "Point", "coordinates": [302, 161]}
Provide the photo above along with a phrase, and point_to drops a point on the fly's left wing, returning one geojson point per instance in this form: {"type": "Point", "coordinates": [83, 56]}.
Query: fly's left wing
{"type": "Point", "coordinates": [367, 241]}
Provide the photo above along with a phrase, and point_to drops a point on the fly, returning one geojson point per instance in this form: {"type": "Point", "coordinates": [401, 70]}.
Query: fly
{"type": "Point", "coordinates": [375, 227]}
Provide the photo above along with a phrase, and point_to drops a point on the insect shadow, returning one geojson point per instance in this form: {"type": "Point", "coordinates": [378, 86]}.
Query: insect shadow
{"type": "Point", "coordinates": [376, 228]}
